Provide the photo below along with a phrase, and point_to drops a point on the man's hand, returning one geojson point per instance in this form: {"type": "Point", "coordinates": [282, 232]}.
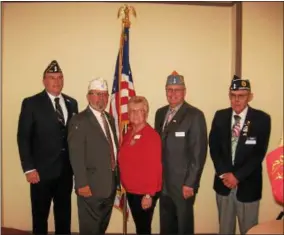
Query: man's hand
{"type": "Point", "coordinates": [33, 177]}
{"type": "Point", "coordinates": [229, 180]}
{"type": "Point", "coordinates": [85, 191]}
{"type": "Point", "coordinates": [146, 203]}
{"type": "Point", "coordinates": [187, 192]}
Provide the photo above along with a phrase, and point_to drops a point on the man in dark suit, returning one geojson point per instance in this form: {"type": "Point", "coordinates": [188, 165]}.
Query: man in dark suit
{"type": "Point", "coordinates": [184, 141]}
{"type": "Point", "coordinates": [238, 142]}
{"type": "Point", "coordinates": [93, 148]}
{"type": "Point", "coordinates": [42, 142]}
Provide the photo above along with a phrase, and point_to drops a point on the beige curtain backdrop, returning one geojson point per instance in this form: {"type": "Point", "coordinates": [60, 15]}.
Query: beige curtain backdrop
{"type": "Point", "coordinates": [196, 41]}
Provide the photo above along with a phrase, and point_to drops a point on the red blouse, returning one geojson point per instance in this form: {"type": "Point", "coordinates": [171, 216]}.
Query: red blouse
{"type": "Point", "coordinates": [140, 164]}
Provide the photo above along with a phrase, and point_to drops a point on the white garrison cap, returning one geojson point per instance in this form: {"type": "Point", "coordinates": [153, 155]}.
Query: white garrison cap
{"type": "Point", "coordinates": [99, 84]}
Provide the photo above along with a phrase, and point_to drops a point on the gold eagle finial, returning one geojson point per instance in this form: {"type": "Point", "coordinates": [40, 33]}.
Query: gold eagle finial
{"type": "Point", "coordinates": [126, 10]}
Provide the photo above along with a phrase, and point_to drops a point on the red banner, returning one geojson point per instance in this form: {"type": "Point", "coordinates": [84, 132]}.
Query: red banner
{"type": "Point", "coordinates": [274, 162]}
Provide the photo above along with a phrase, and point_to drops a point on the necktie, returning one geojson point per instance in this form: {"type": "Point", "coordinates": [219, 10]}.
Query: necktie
{"type": "Point", "coordinates": [235, 135]}
{"type": "Point", "coordinates": [170, 116]}
{"type": "Point", "coordinates": [59, 111]}
{"type": "Point", "coordinates": [108, 135]}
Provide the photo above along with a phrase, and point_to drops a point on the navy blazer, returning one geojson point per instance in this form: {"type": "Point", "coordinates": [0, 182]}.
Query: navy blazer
{"type": "Point", "coordinates": [250, 152]}
{"type": "Point", "coordinates": [40, 137]}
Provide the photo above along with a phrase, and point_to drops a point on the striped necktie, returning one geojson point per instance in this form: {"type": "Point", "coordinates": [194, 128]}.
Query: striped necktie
{"type": "Point", "coordinates": [108, 135]}
{"type": "Point", "coordinates": [235, 135]}
{"type": "Point", "coordinates": [170, 116]}
{"type": "Point", "coordinates": [59, 112]}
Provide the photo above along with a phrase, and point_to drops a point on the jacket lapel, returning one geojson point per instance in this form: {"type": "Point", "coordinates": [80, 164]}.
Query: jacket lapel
{"type": "Point", "coordinates": [93, 120]}
{"type": "Point", "coordinates": [177, 118]}
{"type": "Point", "coordinates": [228, 133]}
{"type": "Point", "coordinates": [48, 107]}
{"type": "Point", "coordinates": [112, 126]}
{"type": "Point", "coordinates": [68, 105]}
{"type": "Point", "coordinates": [243, 134]}
{"type": "Point", "coordinates": [160, 119]}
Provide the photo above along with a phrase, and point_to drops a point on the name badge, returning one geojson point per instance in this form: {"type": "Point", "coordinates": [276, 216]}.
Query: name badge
{"type": "Point", "coordinates": [137, 137]}
{"type": "Point", "coordinates": [251, 141]}
{"type": "Point", "coordinates": [180, 134]}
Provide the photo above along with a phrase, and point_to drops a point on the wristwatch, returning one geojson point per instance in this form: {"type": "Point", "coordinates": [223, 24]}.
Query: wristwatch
{"type": "Point", "coordinates": [147, 196]}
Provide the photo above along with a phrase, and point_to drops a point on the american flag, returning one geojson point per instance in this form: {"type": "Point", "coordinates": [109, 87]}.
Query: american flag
{"type": "Point", "coordinates": [122, 90]}
{"type": "Point", "coordinates": [123, 87]}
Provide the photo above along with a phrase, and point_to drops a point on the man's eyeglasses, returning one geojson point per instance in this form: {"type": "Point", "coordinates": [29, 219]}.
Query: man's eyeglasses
{"type": "Point", "coordinates": [99, 94]}
{"type": "Point", "coordinates": [133, 111]}
{"type": "Point", "coordinates": [238, 97]}
{"type": "Point", "coordinates": [171, 90]}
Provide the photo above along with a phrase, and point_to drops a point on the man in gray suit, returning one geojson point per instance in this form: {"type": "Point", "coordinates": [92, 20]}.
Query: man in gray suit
{"type": "Point", "coordinates": [182, 128]}
{"type": "Point", "coordinates": [93, 149]}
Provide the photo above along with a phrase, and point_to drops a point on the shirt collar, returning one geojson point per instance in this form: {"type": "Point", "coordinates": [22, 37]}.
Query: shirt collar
{"type": "Point", "coordinates": [52, 97]}
{"type": "Point", "coordinates": [95, 112]}
{"type": "Point", "coordinates": [175, 108]}
{"type": "Point", "coordinates": [243, 114]}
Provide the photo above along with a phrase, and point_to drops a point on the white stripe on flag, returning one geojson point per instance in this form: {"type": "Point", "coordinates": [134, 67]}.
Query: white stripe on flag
{"type": "Point", "coordinates": [126, 78]}
{"type": "Point", "coordinates": [124, 108]}
{"type": "Point", "coordinates": [124, 93]}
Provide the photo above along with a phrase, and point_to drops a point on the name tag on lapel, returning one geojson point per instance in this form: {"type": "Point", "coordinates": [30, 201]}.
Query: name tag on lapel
{"type": "Point", "coordinates": [137, 137]}
{"type": "Point", "coordinates": [251, 141]}
{"type": "Point", "coordinates": [180, 134]}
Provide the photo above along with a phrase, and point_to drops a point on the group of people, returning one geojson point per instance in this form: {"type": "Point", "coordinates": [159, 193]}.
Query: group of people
{"type": "Point", "coordinates": [58, 145]}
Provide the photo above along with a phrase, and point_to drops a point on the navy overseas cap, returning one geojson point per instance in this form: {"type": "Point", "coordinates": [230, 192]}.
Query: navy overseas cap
{"type": "Point", "coordinates": [53, 67]}
{"type": "Point", "coordinates": [175, 79]}
{"type": "Point", "coordinates": [239, 84]}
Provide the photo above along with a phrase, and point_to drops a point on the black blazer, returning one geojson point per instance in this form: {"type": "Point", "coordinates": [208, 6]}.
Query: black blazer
{"type": "Point", "coordinates": [40, 136]}
{"type": "Point", "coordinates": [184, 143]}
{"type": "Point", "coordinates": [250, 152]}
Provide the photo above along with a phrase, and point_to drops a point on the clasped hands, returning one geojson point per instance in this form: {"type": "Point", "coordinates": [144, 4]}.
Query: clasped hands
{"type": "Point", "coordinates": [229, 180]}
{"type": "Point", "coordinates": [146, 203]}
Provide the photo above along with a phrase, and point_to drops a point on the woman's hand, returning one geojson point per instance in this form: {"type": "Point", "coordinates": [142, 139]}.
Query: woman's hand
{"type": "Point", "coordinates": [146, 203]}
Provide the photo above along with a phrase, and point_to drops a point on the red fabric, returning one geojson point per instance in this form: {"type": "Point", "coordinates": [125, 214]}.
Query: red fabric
{"type": "Point", "coordinates": [140, 164]}
{"type": "Point", "coordinates": [274, 161]}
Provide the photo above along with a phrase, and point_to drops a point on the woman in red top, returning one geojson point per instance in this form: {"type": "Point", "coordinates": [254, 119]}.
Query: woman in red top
{"type": "Point", "coordinates": [140, 165]}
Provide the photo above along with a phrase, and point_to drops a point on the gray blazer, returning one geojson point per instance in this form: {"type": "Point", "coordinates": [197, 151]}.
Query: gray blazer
{"type": "Point", "coordinates": [90, 153]}
{"type": "Point", "coordinates": [184, 143]}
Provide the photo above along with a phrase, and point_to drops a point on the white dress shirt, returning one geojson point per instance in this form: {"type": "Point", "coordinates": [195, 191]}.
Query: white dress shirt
{"type": "Point", "coordinates": [243, 116]}
{"type": "Point", "coordinates": [100, 120]}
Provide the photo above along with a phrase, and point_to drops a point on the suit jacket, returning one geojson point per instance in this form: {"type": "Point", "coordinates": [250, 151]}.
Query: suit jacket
{"type": "Point", "coordinates": [250, 152]}
{"type": "Point", "coordinates": [42, 144]}
{"type": "Point", "coordinates": [184, 143]}
{"type": "Point", "coordinates": [90, 153]}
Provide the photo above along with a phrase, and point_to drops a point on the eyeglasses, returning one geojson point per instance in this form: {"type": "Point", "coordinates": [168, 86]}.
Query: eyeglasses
{"type": "Point", "coordinates": [132, 111]}
{"type": "Point", "coordinates": [238, 97]}
{"type": "Point", "coordinates": [171, 90]}
{"type": "Point", "coordinates": [99, 94]}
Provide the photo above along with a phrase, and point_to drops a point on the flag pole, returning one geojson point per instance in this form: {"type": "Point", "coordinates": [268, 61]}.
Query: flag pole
{"type": "Point", "coordinates": [125, 10]}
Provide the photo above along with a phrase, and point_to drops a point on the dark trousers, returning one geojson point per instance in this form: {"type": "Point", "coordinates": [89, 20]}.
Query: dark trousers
{"type": "Point", "coordinates": [95, 212]}
{"type": "Point", "coordinates": [176, 215]}
{"type": "Point", "coordinates": [142, 218]}
{"type": "Point", "coordinates": [59, 190]}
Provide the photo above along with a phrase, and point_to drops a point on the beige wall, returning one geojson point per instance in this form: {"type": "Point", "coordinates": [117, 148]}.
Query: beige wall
{"type": "Point", "coordinates": [196, 41]}
{"type": "Point", "coordinates": [263, 64]}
